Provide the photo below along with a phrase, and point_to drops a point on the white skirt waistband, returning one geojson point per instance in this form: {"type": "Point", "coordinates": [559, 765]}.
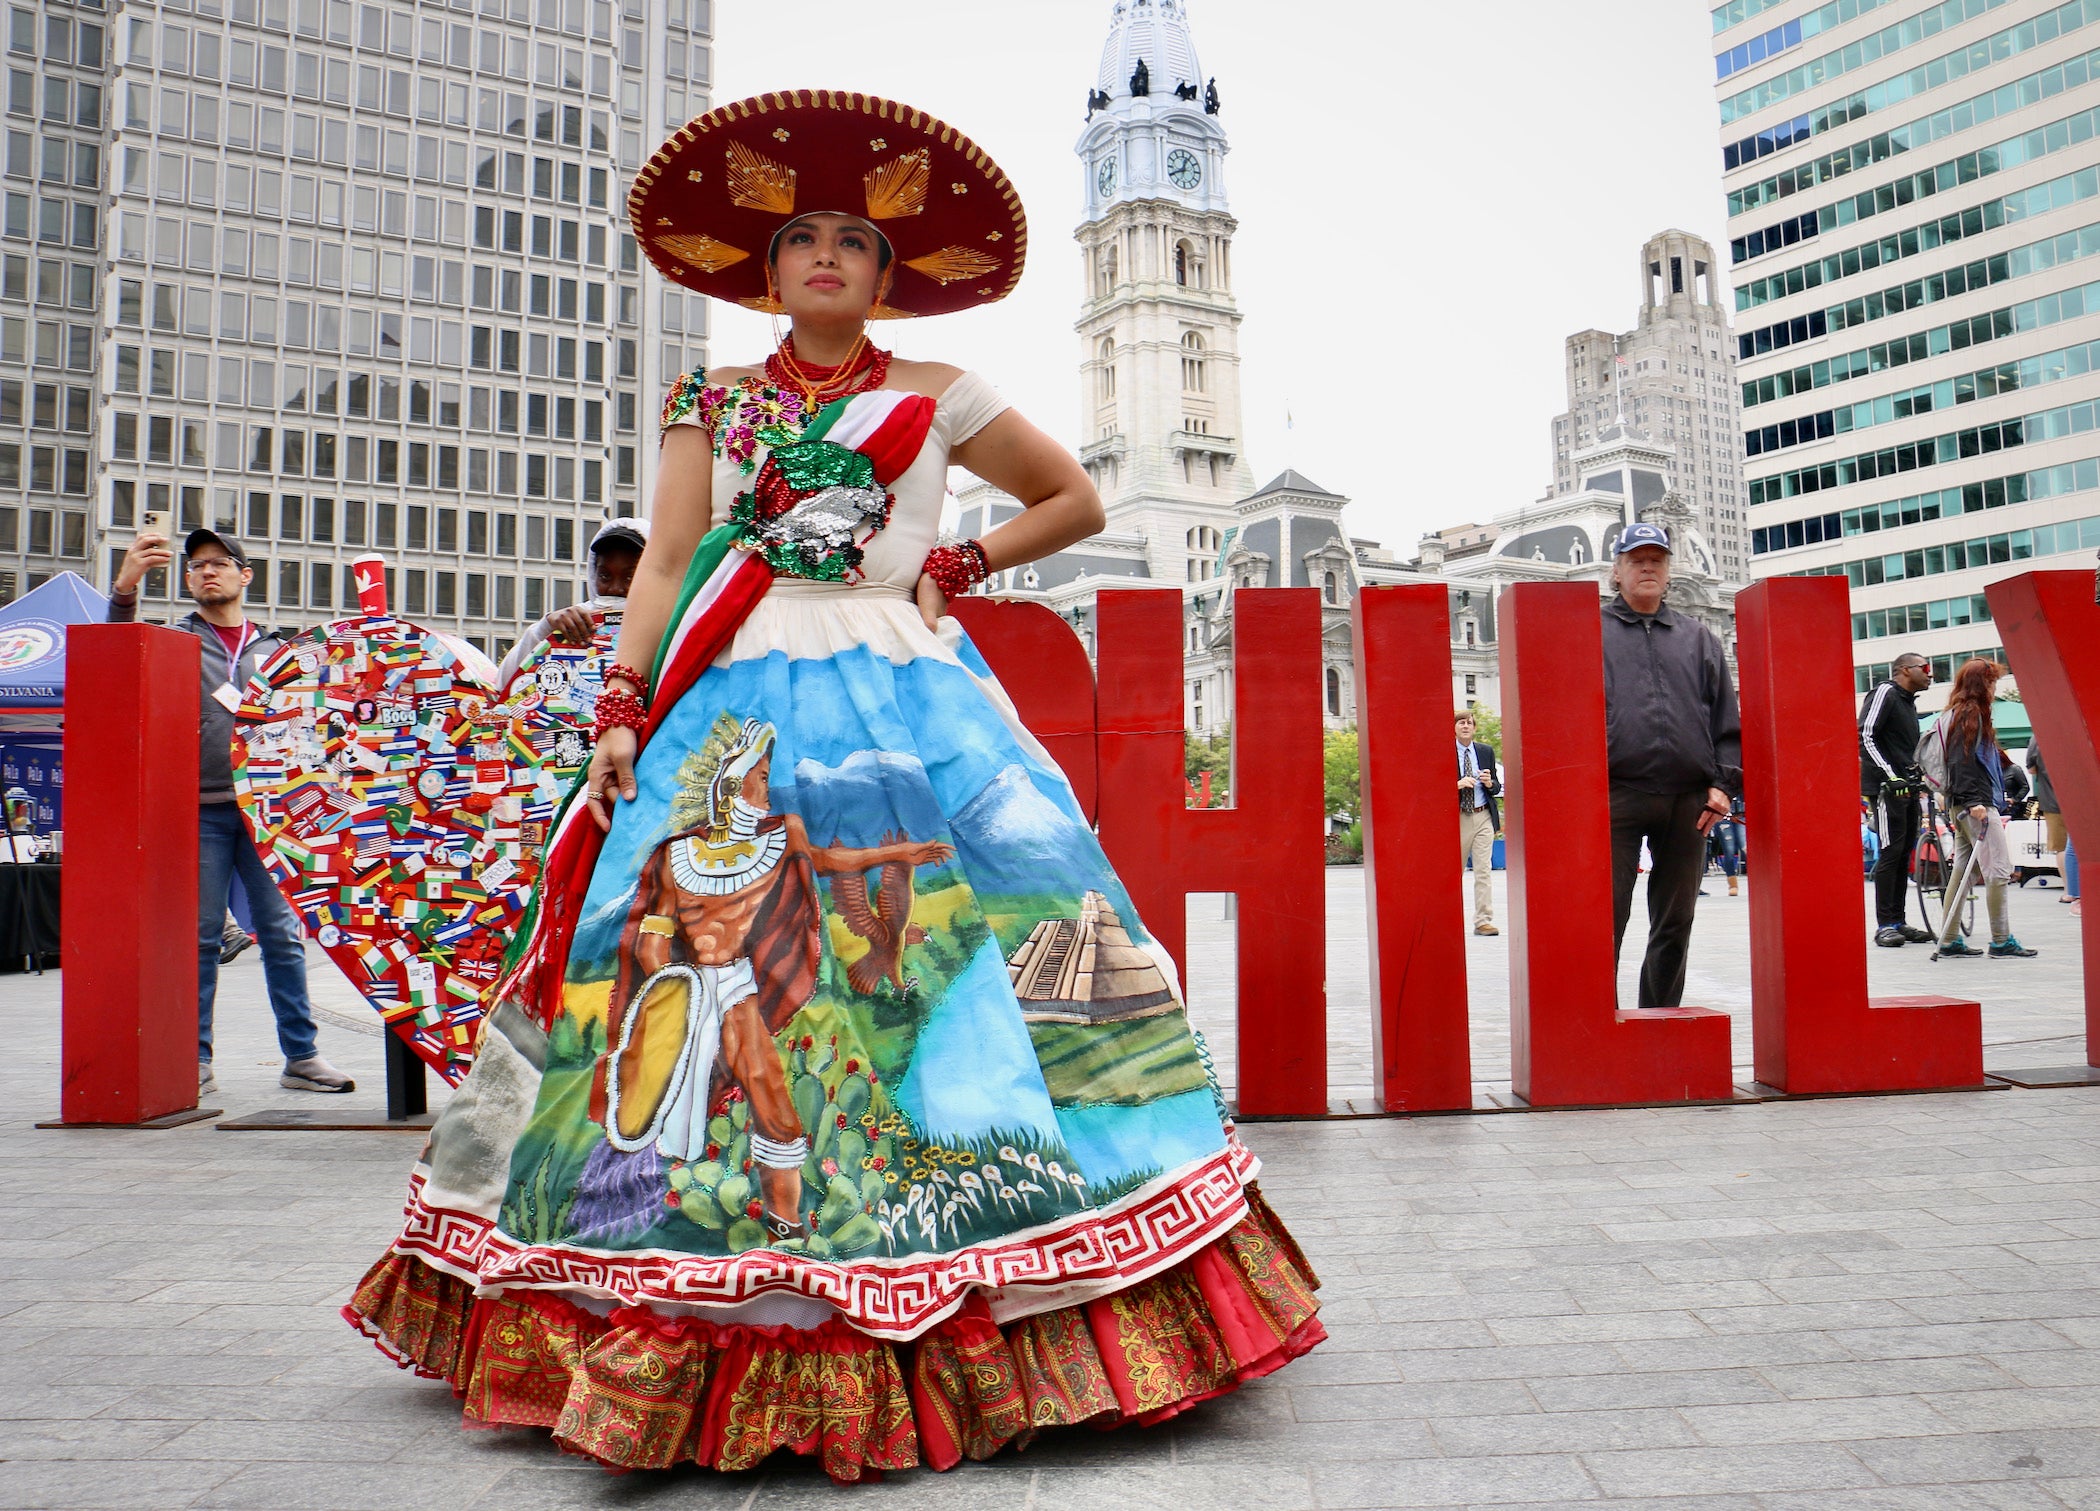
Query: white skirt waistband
{"type": "Point", "coordinates": [805, 587]}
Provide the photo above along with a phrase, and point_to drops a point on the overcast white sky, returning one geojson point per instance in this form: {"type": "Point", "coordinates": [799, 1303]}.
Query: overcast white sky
{"type": "Point", "coordinates": [1430, 197]}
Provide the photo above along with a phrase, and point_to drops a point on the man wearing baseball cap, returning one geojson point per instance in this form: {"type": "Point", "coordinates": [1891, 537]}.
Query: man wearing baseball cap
{"type": "Point", "coordinates": [616, 550]}
{"type": "Point", "coordinates": [216, 574]}
{"type": "Point", "coordinates": [1674, 747]}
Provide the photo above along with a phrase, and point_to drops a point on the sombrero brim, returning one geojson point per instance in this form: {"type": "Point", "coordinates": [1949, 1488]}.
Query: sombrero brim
{"type": "Point", "coordinates": [708, 204]}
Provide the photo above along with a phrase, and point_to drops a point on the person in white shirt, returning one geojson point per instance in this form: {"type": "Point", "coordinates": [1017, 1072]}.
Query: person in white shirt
{"type": "Point", "coordinates": [1478, 817]}
{"type": "Point", "coordinates": [615, 552]}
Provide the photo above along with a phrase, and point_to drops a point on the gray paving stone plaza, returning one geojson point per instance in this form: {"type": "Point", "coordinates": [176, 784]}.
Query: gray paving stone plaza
{"type": "Point", "coordinates": [1882, 1302]}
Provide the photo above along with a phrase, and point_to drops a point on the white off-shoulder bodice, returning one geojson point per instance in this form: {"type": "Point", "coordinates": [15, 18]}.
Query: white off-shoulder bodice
{"type": "Point", "coordinates": [736, 414]}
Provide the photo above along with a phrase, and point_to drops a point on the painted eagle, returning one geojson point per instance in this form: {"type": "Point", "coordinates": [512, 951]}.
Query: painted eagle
{"type": "Point", "coordinates": [885, 922]}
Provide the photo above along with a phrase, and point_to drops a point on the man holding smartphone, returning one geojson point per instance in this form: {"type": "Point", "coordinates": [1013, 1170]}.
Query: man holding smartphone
{"type": "Point", "coordinates": [216, 574]}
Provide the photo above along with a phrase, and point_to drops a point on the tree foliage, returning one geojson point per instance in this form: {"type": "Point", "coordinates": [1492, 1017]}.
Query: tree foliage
{"type": "Point", "coordinates": [1344, 782]}
{"type": "Point", "coordinates": [1211, 753]}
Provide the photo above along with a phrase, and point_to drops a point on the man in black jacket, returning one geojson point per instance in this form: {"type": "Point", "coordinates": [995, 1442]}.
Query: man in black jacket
{"type": "Point", "coordinates": [1674, 745]}
{"type": "Point", "coordinates": [216, 573]}
{"type": "Point", "coordinates": [1478, 817]}
{"type": "Point", "coordinates": [1890, 781]}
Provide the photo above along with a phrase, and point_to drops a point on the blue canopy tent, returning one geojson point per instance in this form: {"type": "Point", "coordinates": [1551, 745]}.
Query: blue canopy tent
{"type": "Point", "coordinates": [33, 686]}
{"type": "Point", "coordinates": [33, 641]}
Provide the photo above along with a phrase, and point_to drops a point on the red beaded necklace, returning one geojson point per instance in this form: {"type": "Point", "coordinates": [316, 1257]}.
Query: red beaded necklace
{"type": "Point", "coordinates": [821, 385]}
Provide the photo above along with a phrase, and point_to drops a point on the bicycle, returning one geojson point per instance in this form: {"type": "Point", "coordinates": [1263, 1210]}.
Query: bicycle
{"type": "Point", "coordinates": [1932, 872]}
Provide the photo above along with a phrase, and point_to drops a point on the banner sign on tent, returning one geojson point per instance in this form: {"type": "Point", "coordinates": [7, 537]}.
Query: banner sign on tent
{"type": "Point", "coordinates": [33, 640]}
{"type": "Point", "coordinates": [36, 764]}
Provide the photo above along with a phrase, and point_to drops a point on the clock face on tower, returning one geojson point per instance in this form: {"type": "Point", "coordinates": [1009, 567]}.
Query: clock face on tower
{"type": "Point", "coordinates": [1105, 177]}
{"type": "Point", "coordinates": [1184, 169]}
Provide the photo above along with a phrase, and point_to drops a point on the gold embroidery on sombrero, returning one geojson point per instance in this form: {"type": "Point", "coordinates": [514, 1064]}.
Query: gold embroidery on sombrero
{"type": "Point", "coordinates": [927, 185]}
{"type": "Point", "coordinates": [702, 251]}
{"type": "Point", "coordinates": [898, 187]}
{"type": "Point", "coordinates": [951, 264]}
{"type": "Point", "coordinates": [757, 182]}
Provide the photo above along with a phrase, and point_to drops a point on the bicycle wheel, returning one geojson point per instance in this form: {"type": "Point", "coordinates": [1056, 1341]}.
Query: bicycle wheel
{"type": "Point", "coordinates": [1928, 872]}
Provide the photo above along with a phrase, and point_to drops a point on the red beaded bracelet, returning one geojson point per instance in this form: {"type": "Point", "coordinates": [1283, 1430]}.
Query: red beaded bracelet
{"type": "Point", "coordinates": [622, 672]}
{"type": "Point", "coordinates": [618, 710]}
{"type": "Point", "coordinates": [958, 568]}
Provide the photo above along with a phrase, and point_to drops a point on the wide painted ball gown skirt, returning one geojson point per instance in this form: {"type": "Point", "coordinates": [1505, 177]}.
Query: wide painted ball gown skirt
{"type": "Point", "coordinates": [907, 999]}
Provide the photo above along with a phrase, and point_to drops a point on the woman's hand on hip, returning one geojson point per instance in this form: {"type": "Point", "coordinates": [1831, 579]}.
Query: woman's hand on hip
{"type": "Point", "coordinates": [611, 772]}
{"type": "Point", "coordinates": [932, 601]}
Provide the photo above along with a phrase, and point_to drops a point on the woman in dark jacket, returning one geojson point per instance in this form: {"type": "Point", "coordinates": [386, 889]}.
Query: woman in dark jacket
{"type": "Point", "coordinates": [1975, 798]}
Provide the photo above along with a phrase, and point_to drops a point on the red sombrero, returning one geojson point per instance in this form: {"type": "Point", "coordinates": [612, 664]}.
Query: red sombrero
{"type": "Point", "coordinates": [708, 204]}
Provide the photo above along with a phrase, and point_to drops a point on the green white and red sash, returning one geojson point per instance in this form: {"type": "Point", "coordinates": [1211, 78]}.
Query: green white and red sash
{"type": "Point", "coordinates": [724, 582]}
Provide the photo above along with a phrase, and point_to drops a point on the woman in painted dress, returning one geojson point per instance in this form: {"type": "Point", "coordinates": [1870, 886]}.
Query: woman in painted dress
{"type": "Point", "coordinates": [836, 1099]}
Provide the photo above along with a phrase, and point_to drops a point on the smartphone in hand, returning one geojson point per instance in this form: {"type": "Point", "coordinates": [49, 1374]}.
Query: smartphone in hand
{"type": "Point", "coordinates": [159, 522]}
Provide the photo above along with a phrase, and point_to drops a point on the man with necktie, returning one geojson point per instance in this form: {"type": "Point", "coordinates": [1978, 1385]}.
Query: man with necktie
{"type": "Point", "coordinates": [1478, 817]}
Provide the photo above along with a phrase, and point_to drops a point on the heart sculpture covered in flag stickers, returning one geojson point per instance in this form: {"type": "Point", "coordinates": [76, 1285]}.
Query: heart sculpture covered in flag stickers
{"type": "Point", "coordinates": [401, 805]}
{"type": "Point", "coordinates": [557, 686]}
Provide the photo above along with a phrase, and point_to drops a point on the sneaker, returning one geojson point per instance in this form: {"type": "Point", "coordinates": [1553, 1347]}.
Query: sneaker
{"type": "Point", "coordinates": [207, 1083]}
{"type": "Point", "coordinates": [1914, 934]}
{"type": "Point", "coordinates": [231, 946]}
{"type": "Point", "coordinates": [1892, 937]}
{"type": "Point", "coordinates": [2010, 948]}
{"type": "Point", "coordinates": [1485, 928]}
{"type": "Point", "coordinates": [314, 1074]}
{"type": "Point", "coordinates": [1959, 948]}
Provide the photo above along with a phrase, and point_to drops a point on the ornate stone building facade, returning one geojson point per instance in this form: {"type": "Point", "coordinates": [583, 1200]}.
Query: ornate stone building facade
{"type": "Point", "coordinates": [1159, 392]}
{"type": "Point", "coordinates": [1671, 377]}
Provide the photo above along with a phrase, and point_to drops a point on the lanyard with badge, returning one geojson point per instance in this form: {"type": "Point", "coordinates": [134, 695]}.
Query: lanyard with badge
{"type": "Point", "coordinates": [226, 694]}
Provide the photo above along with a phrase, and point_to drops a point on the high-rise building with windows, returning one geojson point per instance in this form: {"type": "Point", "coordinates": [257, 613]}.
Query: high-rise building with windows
{"type": "Point", "coordinates": [1671, 378]}
{"type": "Point", "coordinates": [337, 276]}
{"type": "Point", "coordinates": [1914, 223]}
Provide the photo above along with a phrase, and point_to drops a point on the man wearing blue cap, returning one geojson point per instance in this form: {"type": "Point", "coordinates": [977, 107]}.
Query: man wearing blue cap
{"type": "Point", "coordinates": [1674, 747]}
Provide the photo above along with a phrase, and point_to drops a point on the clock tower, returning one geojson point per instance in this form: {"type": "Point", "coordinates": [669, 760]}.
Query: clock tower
{"type": "Point", "coordinates": [1159, 403]}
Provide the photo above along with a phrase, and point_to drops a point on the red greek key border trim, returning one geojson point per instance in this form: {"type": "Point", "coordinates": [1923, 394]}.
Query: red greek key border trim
{"type": "Point", "coordinates": [1146, 1232]}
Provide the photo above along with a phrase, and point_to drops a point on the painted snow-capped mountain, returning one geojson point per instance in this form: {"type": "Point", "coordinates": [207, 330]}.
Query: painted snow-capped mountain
{"type": "Point", "coordinates": [1013, 838]}
{"type": "Point", "coordinates": [869, 794]}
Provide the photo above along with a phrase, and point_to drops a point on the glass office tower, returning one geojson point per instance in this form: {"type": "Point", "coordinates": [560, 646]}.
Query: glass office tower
{"type": "Point", "coordinates": [338, 277]}
{"type": "Point", "coordinates": [1914, 202]}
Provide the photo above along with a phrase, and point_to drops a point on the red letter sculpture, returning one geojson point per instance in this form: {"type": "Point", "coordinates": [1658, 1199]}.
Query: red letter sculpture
{"type": "Point", "coordinates": [1569, 1044]}
{"type": "Point", "coordinates": [2051, 628]}
{"type": "Point", "coordinates": [128, 903]}
{"type": "Point", "coordinates": [1043, 667]}
{"type": "Point", "coordinates": [1269, 847]}
{"type": "Point", "coordinates": [1420, 1055]}
{"type": "Point", "coordinates": [1815, 1028]}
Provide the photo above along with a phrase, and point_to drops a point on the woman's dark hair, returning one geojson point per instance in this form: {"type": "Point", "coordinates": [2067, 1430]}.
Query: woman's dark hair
{"type": "Point", "coordinates": [1968, 713]}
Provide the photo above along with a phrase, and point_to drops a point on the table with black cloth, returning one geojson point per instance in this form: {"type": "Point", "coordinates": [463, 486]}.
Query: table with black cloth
{"type": "Point", "coordinates": [28, 915]}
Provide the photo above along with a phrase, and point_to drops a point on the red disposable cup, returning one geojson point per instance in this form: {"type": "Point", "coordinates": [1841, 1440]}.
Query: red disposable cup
{"type": "Point", "coordinates": [369, 572]}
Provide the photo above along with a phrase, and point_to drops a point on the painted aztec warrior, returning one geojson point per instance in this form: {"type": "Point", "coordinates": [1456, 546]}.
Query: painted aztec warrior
{"type": "Point", "coordinates": [834, 1099]}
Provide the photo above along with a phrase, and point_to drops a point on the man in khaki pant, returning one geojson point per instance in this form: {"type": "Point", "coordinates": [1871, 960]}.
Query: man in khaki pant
{"type": "Point", "coordinates": [1478, 817]}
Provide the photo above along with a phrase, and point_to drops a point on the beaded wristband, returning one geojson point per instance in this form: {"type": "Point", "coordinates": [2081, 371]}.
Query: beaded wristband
{"type": "Point", "coordinates": [618, 710]}
{"type": "Point", "coordinates": [958, 568]}
{"type": "Point", "coordinates": [622, 672]}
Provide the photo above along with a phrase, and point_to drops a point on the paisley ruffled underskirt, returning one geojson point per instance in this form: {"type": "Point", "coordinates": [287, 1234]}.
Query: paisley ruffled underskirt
{"type": "Point", "coordinates": [637, 1389]}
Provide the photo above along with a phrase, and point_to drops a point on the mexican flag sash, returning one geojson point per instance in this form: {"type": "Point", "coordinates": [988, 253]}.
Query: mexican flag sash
{"type": "Point", "coordinates": [820, 497]}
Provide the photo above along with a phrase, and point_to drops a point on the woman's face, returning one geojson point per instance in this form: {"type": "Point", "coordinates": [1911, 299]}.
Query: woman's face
{"type": "Point", "coordinates": [827, 265]}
